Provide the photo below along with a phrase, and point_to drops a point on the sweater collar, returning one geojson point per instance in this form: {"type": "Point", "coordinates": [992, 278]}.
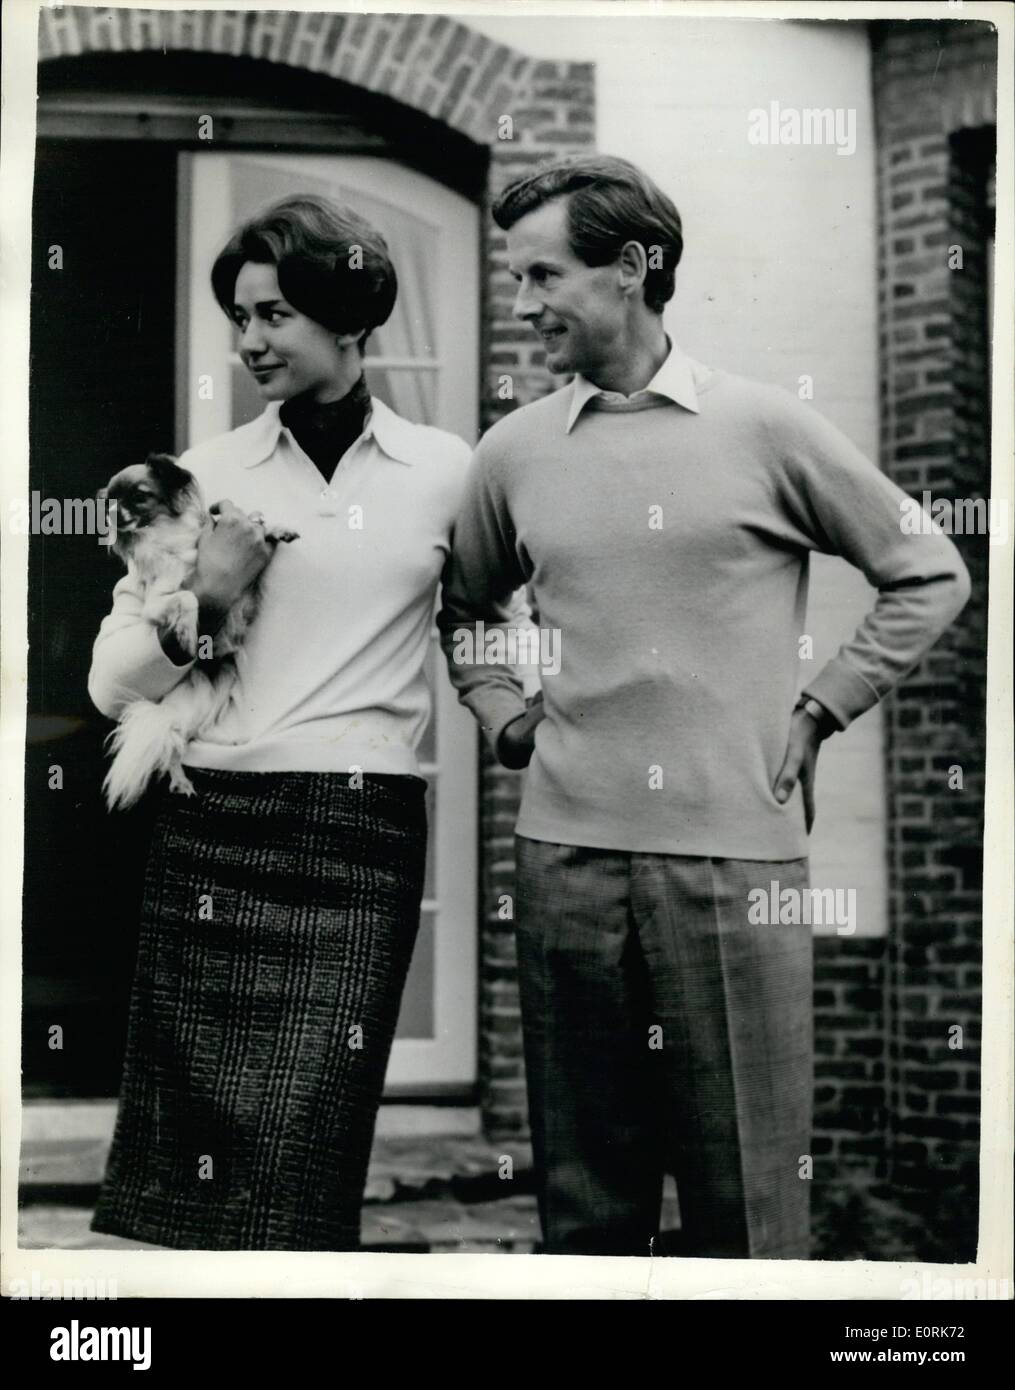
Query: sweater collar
{"type": "Point", "coordinates": [393, 435]}
{"type": "Point", "coordinates": [674, 380]}
{"type": "Point", "coordinates": [328, 418]}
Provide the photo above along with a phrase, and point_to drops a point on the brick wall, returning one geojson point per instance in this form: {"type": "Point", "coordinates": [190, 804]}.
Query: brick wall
{"type": "Point", "coordinates": [850, 1057]}
{"type": "Point", "coordinates": [934, 102]}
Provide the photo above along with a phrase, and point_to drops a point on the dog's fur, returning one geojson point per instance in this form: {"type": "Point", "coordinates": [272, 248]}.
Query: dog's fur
{"type": "Point", "coordinates": [160, 515]}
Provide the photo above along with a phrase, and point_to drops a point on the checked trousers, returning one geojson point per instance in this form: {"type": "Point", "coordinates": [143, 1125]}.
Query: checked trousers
{"type": "Point", "coordinates": [665, 1033]}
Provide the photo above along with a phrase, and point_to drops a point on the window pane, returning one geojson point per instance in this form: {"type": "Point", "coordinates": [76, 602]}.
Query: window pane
{"type": "Point", "coordinates": [410, 393]}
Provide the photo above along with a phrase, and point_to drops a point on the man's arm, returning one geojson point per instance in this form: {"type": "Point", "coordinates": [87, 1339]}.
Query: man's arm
{"type": "Point", "coordinates": [844, 505]}
{"type": "Point", "coordinates": [480, 581]}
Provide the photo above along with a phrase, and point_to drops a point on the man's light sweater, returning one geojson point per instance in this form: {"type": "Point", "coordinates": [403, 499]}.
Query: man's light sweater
{"type": "Point", "coordinates": [670, 548]}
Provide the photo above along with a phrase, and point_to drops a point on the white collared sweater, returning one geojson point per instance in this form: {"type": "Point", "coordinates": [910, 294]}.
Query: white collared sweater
{"type": "Point", "coordinates": [331, 675]}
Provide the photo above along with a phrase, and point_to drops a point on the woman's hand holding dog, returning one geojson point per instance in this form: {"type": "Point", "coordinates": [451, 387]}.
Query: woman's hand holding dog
{"type": "Point", "coordinates": [232, 551]}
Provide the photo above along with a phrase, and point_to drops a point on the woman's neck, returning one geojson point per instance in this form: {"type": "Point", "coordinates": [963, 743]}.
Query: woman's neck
{"type": "Point", "coordinates": [324, 430]}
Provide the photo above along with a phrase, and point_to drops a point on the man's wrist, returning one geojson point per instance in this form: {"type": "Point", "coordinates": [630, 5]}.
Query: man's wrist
{"type": "Point", "coordinates": [823, 718]}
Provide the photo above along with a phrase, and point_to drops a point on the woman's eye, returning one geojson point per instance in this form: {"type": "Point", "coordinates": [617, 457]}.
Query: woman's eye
{"type": "Point", "coordinates": [275, 317]}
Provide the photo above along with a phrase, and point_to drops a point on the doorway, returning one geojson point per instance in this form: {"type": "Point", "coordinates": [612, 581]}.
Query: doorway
{"type": "Point", "coordinates": [113, 343]}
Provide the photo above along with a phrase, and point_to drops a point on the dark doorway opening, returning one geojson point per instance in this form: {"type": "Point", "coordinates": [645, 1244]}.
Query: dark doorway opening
{"type": "Point", "coordinates": [101, 396]}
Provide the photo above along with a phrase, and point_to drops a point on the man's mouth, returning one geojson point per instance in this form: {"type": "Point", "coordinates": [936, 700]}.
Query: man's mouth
{"type": "Point", "coordinates": [265, 369]}
{"type": "Point", "coordinates": [551, 335]}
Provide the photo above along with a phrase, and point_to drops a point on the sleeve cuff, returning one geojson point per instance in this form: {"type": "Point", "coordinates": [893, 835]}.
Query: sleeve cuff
{"type": "Point", "coordinates": [495, 709]}
{"type": "Point", "coordinates": [842, 691]}
{"type": "Point", "coordinates": [151, 673]}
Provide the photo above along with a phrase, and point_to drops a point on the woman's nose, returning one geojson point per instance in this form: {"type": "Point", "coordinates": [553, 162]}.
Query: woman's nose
{"type": "Point", "coordinates": [251, 338]}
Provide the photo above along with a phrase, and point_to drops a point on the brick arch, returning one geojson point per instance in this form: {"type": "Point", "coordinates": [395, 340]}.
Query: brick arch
{"type": "Point", "coordinates": [430, 63]}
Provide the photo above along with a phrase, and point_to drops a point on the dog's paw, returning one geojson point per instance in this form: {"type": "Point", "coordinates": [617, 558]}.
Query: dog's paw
{"type": "Point", "coordinates": [179, 782]}
{"type": "Point", "coordinates": [183, 619]}
{"type": "Point", "coordinates": [178, 613]}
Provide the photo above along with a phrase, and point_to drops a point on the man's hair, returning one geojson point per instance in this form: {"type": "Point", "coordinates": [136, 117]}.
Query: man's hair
{"type": "Point", "coordinates": [609, 202]}
{"type": "Point", "coordinates": [332, 265]}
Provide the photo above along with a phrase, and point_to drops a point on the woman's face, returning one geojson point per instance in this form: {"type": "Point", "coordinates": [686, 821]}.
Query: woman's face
{"type": "Point", "coordinates": [286, 352]}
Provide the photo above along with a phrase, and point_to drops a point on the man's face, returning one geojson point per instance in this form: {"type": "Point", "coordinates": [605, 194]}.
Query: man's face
{"type": "Point", "coordinates": [578, 310]}
{"type": "Point", "coordinates": [285, 352]}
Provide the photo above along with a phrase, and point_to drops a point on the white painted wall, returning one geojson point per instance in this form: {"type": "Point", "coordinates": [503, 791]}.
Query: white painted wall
{"type": "Point", "coordinates": [778, 280]}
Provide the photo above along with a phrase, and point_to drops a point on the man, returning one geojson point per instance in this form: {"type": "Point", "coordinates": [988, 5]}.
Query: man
{"type": "Point", "coordinates": [662, 514]}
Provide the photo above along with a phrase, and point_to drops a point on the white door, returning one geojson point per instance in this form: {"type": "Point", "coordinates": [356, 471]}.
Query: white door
{"type": "Point", "coordinates": [424, 363]}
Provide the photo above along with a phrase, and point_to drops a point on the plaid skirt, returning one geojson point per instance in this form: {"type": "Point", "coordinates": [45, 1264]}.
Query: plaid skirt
{"type": "Point", "coordinates": [279, 917]}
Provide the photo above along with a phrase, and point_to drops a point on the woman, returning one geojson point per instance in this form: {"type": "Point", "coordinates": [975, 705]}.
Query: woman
{"type": "Point", "coordinates": [281, 901]}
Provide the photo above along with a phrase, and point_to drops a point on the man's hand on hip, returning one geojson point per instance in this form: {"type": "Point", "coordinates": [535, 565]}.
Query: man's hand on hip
{"type": "Point", "coordinates": [806, 733]}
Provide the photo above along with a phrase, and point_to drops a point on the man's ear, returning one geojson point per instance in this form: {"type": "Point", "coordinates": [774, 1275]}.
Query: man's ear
{"type": "Point", "coordinates": [633, 264]}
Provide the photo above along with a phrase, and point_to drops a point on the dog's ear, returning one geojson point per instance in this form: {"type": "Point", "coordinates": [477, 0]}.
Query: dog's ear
{"type": "Point", "coordinates": [178, 485]}
{"type": "Point", "coordinates": [169, 472]}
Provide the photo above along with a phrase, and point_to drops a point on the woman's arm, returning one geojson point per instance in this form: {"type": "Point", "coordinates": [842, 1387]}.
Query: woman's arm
{"type": "Point", "coordinates": [132, 659]}
{"type": "Point", "coordinates": [128, 660]}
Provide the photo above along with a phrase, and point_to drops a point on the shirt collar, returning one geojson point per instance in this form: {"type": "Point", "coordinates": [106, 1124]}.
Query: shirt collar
{"type": "Point", "coordinates": [258, 440]}
{"type": "Point", "coordinates": [674, 380]}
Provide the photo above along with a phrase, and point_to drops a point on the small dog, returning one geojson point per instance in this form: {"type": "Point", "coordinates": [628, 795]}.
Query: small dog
{"type": "Point", "coordinates": [160, 515]}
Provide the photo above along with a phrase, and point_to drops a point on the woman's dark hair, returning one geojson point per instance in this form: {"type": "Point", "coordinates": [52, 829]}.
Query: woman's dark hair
{"type": "Point", "coordinates": [332, 265]}
{"type": "Point", "coordinates": [610, 202]}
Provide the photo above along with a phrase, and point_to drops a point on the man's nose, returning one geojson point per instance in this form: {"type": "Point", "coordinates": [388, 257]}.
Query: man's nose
{"type": "Point", "coordinates": [526, 306]}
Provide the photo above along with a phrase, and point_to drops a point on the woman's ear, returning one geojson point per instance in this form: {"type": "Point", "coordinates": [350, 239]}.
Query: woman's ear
{"type": "Point", "coordinates": [347, 340]}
